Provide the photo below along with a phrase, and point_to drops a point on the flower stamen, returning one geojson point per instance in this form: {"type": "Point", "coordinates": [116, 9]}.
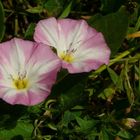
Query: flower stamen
{"type": "Point", "coordinates": [21, 81]}
{"type": "Point", "coordinates": [68, 55]}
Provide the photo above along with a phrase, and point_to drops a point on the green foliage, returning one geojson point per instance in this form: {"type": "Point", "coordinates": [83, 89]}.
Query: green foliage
{"type": "Point", "coordinates": [34, 10]}
{"type": "Point", "coordinates": [85, 126]}
{"type": "Point", "coordinates": [2, 25]}
{"type": "Point", "coordinates": [113, 75]}
{"type": "Point", "coordinates": [125, 134]}
{"type": "Point", "coordinates": [107, 93]}
{"type": "Point", "coordinates": [103, 135]}
{"type": "Point", "coordinates": [114, 27]}
{"type": "Point", "coordinates": [85, 106]}
{"type": "Point", "coordinates": [29, 32]}
{"type": "Point", "coordinates": [66, 11]}
{"type": "Point", "coordinates": [22, 131]}
{"type": "Point", "coordinates": [53, 7]}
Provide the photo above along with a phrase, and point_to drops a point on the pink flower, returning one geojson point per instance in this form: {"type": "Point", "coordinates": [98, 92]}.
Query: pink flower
{"type": "Point", "coordinates": [27, 71]}
{"type": "Point", "coordinates": [80, 47]}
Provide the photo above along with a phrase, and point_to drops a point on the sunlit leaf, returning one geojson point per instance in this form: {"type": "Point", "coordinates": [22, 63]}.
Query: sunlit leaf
{"type": "Point", "coordinates": [66, 11]}
{"type": "Point", "coordinates": [29, 32]}
{"type": "Point", "coordinates": [113, 75]}
{"type": "Point", "coordinates": [107, 93]}
{"type": "Point", "coordinates": [34, 10]}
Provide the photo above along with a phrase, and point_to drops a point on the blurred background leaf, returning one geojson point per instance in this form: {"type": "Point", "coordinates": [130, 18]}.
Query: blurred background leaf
{"type": "Point", "coordinates": [79, 107]}
{"type": "Point", "coordinates": [54, 7]}
{"type": "Point", "coordinates": [2, 20]}
{"type": "Point", "coordinates": [109, 6]}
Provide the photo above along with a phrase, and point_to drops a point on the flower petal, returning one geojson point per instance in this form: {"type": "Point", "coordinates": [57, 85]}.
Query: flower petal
{"type": "Point", "coordinates": [62, 33]}
{"type": "Point", "coordinates": [47, 32]}
{"type": "Point", "coordinates": [37, 60]}
{"type": "Point", "coordinates": [74, 32]}
{"type": "Point", "coordinates": [87, 46]}
{"type": "Point", "coordinates": [89, 57]}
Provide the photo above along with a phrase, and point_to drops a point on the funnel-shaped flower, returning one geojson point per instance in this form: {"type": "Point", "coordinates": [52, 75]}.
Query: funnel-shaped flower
{"type": "Point", "coordinates": [80, 47]}
{"type": "Point", "coordinates": [27, 71]}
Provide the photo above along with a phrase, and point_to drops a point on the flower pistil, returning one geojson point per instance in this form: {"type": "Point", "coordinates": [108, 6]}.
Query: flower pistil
{"type": "Point", "coordinates": [68, 55]}
{"type": "Point", "coordinates": [21, 82]}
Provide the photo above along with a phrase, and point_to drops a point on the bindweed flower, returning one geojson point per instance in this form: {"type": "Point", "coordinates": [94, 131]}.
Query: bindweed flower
{"type": "Point", "coordinates": [27, 71]}
{"type": "Point", "coordinates": [80, 47]}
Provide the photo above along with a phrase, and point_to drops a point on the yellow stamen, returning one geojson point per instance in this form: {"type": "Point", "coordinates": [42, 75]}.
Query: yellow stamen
{"type": "Point", "coordinates": [20, 83]}
{"type": "Point", "coordinates": [67, 57]}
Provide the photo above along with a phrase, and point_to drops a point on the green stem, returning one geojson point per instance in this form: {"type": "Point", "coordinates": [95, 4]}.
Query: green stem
{"type": "Point", "coordinates": [8, 10]}
{"type": "Point", "coordinates": [139, 79]}
{"type": "Point", "coordinates": [16, 26]}
{"type": "Point", "coordinates": [113, 61]}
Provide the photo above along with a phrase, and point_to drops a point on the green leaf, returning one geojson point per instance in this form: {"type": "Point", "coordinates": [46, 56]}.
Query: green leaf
{"type": "Point", "coordinates": [134, 29]}
{"type": "Point", "coordinates": [113, 26]}
{"type": "Point", "coordinates": [66, 81]}
{"type": "Point", "coordinates": [22, 130]}
{"type": "Point", "coordinates": [69, 99]}
{"type": "Point", "coordinates": [9, 115]}
{"type": "Point", "coordinates": [125, 134]}
{"type": "Point", "coordinates": [85, 126]}
{"type": "Point", "coordinates": [30, 30]}
{"type": "Point", "coordinates": [103, 135]}
{"type": "Point", "coordinates": [35, 10]}
{"type": "Point", "coordinates": [66, 11]}
{"type": "Point", "coordinates": [127, 84]}
{"type": "Point", "coordinates": [108, 92]}
{"type": "Point", "coordinates": [68, 116]}
{"type": "Point", "coordinates": [137, 26]}
{"type": "Point", "coordinates": [53, 7]}
{"type": "Point", "coordinates": [119, 84]}
{"type": "Point", "coordinates": [92, 136]}
{"type": "Point", "coordinates": [113, 75]}
{"type": "Point", "coordinates": [35, 110]}
{"type": "Point", "coordinates": [2, 25]}
{"type": "Point", "coordinates": [70, 90]}
{"type": "Point", "coordinates": [137, 69]}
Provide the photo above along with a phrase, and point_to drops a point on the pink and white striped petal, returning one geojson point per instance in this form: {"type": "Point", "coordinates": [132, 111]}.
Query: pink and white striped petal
{"type": "Point", "coordinates": [27, 71]}
{"type": "Point", "coordinates": [80, 47]}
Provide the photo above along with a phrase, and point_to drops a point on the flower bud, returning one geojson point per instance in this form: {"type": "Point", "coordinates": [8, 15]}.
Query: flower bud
{"type": "Point", "coordinates": [129, 122]}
